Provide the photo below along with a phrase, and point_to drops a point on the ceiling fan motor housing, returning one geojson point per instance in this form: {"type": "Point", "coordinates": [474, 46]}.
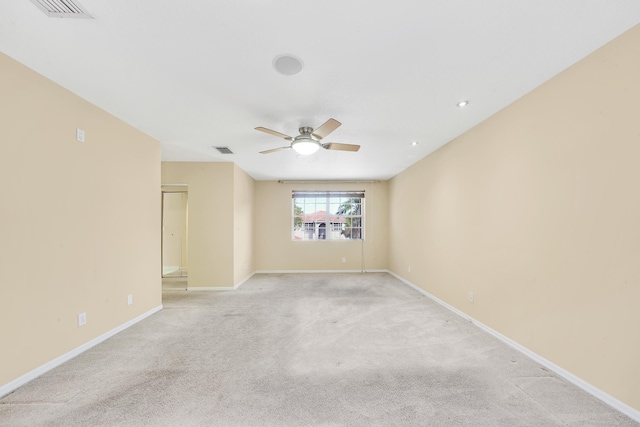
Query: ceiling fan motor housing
{"type": "Point", "coordinates": [305, 130]}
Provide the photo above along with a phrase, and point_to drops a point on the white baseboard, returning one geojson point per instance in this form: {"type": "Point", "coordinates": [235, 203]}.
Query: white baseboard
{"type": "Point", "coordinates": [11, 386]}
{"type": "Point", "coordinates": [221, 288]}
{"type": "Point", "coordinates": [245, 280]}
{"type": "Point", "coordinates": [433, 297]}
{"type": "Point", "coordinates": [592, 390]}
{"type": "Point", "coordinates": [317, 271]}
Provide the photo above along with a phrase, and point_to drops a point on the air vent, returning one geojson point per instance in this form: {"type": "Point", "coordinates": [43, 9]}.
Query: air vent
{"type": "Point", "coordinates": [224, 150]}
{"type": "Point", "coordinates": [62, 9]}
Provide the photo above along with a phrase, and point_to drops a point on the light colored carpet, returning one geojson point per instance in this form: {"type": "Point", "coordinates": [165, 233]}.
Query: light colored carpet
{"type": "Point", "coordinates": [304, 350]}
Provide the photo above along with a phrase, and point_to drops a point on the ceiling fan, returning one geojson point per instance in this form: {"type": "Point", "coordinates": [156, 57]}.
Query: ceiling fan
{"type": "Point", "coordinates": [309, 140]}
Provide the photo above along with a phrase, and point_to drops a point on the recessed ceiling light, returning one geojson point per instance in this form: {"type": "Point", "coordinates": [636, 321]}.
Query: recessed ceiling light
{"type": "Point", "coordinates": [463, 103]}
{"type": "Point", "coordinates": [288, 65]}
{"type": "Point", "coordinates": [414, 143]}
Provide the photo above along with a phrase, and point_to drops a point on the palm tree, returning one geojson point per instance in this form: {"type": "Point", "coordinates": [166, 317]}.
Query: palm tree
{"type": "Point", "coordinates": [352, 209]}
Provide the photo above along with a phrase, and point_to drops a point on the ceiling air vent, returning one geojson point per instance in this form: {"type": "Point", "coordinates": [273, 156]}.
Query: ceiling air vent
{"type": "Point", "coordinates": [224, 150]}
{"type": "Point", "coordinates": [62, 9]}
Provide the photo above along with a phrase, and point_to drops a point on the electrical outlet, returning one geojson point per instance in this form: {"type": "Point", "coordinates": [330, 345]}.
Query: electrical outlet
{"type": "Point", "coordinates": [82, 319]}
{"type": "Point", "coordinates": [471, 297]}
{"type": "Point", "coordinates": [344, 260]}
{"type": "Point", "coordinates": [409, 269]}
{"type": "Point", "coordinates": [129, 299]}
{"type": "Point", "coordinates": [80, 135]}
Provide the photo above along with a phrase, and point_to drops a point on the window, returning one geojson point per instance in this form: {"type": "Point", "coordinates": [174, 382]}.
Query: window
{"type": "Point", "coordinates": [328, 215]}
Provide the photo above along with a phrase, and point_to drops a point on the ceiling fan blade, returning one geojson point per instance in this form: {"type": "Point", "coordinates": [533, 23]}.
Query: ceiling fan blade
{"type": "Point", "coordinates": [273, 132]}
{"type": "Point", "coordinates": [343, 147]}
{"type": "Point", "coordinates": [273, 150]}
{"type": "Point", "coordinates": [326, 128]}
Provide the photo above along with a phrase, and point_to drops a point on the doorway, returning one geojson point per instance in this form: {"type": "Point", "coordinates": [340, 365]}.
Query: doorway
{"type": "Point", "coordinates": [175, 206]}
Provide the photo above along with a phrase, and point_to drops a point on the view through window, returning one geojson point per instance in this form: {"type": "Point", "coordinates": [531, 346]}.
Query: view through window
{"type": "Point", "coordinates": [328, 215]}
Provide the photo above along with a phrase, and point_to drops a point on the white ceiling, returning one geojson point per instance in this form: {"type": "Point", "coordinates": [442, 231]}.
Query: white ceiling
{"type": "Point", "coordinates": [197, 74]}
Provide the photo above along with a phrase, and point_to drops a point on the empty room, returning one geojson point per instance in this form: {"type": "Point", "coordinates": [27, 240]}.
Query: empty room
{"type": "Point", "coordinates": [347, 213]}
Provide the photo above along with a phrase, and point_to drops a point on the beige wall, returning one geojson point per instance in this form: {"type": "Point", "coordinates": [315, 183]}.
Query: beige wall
{"type": "Point", "coordinates": [210, 231]}
{"type": "Point", "coordinates": [78, 221]}
{"type": "Point", "coordinates": [243, 198]}
{"type": "Point", "coordinates": [274, 249]}
{"type": "Point", "coordinates": [537, 212]}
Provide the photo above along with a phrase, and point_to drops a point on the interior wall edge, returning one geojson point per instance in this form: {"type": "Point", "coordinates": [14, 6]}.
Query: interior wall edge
{"type": "Point", "coordinates": [35, 373]}
{"type": "Point", "coordinates": [573, 379]}
{"type": "Point", "coordinates": [243, 281]}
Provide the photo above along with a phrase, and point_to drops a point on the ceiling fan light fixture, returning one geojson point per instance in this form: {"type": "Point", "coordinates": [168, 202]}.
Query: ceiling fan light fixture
{"type": "Point", "coordinates": [305, 146]}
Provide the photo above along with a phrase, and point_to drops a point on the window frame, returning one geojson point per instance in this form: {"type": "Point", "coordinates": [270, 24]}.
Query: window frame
{"type": "Point", "coordinates": [310, 231]}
